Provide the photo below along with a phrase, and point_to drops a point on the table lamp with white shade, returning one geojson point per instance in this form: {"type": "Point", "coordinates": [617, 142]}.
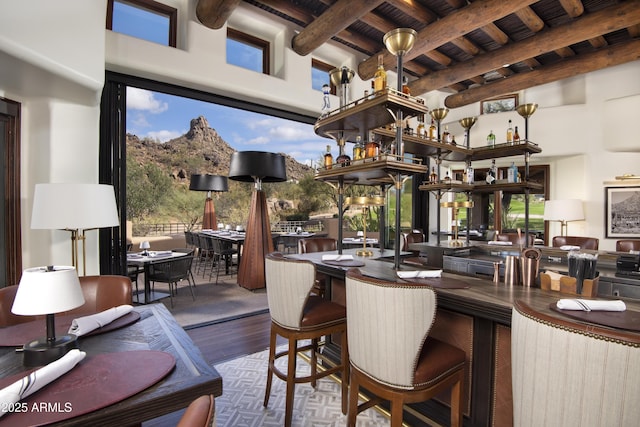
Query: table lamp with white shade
{"type": "Point", "coordinates": [145, 246]}
{"type": "Point", "coordinates": [46, 291]}
{"type": "Point", "coordinates": [565, 210]}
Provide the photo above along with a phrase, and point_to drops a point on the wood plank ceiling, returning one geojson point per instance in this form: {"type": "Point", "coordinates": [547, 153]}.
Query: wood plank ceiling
{"type": "Point", "coordinates": [472, 49]}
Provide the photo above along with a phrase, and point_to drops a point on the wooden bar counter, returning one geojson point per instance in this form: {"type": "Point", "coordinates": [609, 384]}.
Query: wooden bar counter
{"type": "Point", "coordinates": [476, 319]}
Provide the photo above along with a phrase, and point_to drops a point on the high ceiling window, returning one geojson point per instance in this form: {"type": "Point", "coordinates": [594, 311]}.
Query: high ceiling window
{"type": "Point", "coordinates": [144, 19]}
{"type": "Point", "coordinates": [247, 51]}
{"type": "Point", "coordinates": [320, 75]}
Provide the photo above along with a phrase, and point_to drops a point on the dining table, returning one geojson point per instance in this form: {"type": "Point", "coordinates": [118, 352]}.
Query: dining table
{"type": "Point", "coordinates": [144, 260]}
{"type": "Point", "coordinates": [153, 348]}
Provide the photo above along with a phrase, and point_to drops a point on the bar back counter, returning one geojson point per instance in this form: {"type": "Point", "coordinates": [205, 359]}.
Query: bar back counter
{"type": "Point", "coordinates": [475, 317]}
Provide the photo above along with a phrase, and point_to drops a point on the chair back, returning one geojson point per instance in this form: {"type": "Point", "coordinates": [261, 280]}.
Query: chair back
{"type": "Point", "coordinates": [171, 270]}
{"type": "Point", "coordinates": [289, 282]}
{"type": "Point", "coordinates": [316, 244]}
{"type": "Point", "coordinates": [569, 373]}
{"type": "Point", "coordinates": [414, 236]}
{"type": "Point", "coordinates": [7, 318]}
{"type": "Point", "coordinates": [513, 238]}
{"type": "Point", "coordinates": [199, 413]}
{"type": "Point", "coordinates": [627, 245]}
{"type": "Point", "coordinates": [103, 292]}
{"type": "Point", "coordinates": [583, 242]}
{"type": "Point", "coordinates": [387, 324]}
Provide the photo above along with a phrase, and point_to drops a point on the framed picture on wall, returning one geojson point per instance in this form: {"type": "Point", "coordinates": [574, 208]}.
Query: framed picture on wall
{"type": "Point", "coordinates": [622, 212]}
{"type": "Point", "coordinates": [499, 105]}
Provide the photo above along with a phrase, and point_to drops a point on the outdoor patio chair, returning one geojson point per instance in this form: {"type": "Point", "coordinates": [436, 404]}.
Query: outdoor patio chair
{"type": "Point", "coordinates": [172, 271]}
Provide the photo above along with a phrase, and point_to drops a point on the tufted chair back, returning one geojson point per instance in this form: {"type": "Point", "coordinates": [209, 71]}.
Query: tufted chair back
{"type": "Point", "coordinates": [568, 373]}
{"type": "Point", "coordinates": [289, 282]}
{"type": "Point", "coordinates": [387, 324]}
{"type": "Point", "coordinates": [316, 244]}
{"type": "Point", "coordinates": [627, 245]}
{"type": "Point", "coordinates": [583, 242]}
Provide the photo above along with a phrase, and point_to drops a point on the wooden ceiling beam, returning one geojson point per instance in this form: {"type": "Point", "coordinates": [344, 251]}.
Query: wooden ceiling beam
{"type": "Point", "coordinates": [495, 33]}
{"type": "Point", "coordinates": [214, 13]}
{"type": "Point", "coordinates": [415, 9]}
{"type": "Point", "coordinates": [530, 19]}
{"type": "Point", "coordinates": [634, 30]}
{"type": "Point", "coordinates": [617, 54]}
{"type": "Point", "coordinates": [335, 19]}
{"type": "Point", "coordinates": [592, 25]}
{"type": "Point", "coordinates": [574, 8]}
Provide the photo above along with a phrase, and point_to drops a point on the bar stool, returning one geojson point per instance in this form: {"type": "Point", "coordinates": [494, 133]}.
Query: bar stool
{"type": "Point", "coordinates": [569, 373]}
{"type": "Point", "coordinates": [297, 315]}
{"type": "Point", "coordinates": [318, 244]}
{"type": "Point", "coordinates": [390, 351]}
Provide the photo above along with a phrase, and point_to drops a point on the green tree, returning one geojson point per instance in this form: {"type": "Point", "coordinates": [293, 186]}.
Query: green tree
{"type": "Point", "coordinates": [147, 188]}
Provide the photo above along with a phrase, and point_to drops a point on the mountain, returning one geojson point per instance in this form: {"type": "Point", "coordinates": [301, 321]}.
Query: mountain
{"type": "Point", "coordinates": [200, 150]}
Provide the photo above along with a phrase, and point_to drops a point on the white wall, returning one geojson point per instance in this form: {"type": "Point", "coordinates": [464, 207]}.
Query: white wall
{"type": "Point", "coordinates": [53, 63]}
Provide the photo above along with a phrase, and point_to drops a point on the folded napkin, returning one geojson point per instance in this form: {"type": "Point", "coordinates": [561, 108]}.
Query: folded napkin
{"type": "Point", "coordinates": [499, 243]}
{"type": "Point", "coordinates": [330, 257]}
{"type": "Point", "coordinates": [591, 305]}
{"type": "Point", "coordinates": [419, 274]}
{"type": "Point", "coordinates": [37, 379]}
{"type": "Point", "coordinates": [569, 247]}
{"type": "Point", "coordinates": [134, 256]}
{"type": "Point", "coordinates": [84, 325]}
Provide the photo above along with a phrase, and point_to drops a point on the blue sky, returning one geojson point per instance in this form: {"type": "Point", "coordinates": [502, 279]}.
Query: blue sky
{"type": "Point", "coordinates": [164, 117]}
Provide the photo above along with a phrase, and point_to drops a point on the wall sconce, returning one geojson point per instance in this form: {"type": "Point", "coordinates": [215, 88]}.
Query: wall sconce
{"type": "Point", "coordinates": [209, 183]}
{"type": "Point", "coordinates": [74, 208]}
{"type": "Point", "coordinates": [256, 167]}
{"type": "Point", "coordinates": [563, 211]}
{"type": "Point", "coordinates": [48, 290]}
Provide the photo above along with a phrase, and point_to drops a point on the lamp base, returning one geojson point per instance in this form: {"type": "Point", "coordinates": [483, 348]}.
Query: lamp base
{"type": "Point", "coordinates": [364, 252]}
{"type": "Point", "coordinates": [40, 352]}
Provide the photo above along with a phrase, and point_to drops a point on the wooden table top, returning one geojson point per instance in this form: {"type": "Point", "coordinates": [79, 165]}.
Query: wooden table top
{"type": "Point", "coordinates": [156, 330]}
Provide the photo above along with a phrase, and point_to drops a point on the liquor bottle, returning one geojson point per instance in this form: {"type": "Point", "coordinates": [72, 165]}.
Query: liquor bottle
{"type": "Point", "coordinates": [328, 158]}
{"type": "Point", "coordinates": [453, 139]}
{"type": "Point", "coordinates": [358, 149]}
{"type": "Point", "coordinates": [491, 139]}
{"type": "Point", "coordinates": [446, 136]}
{"type": "Point", "coordinates": [380, 76]}
{"type": "Point", "coordinates": [512, 173]}
{"type": "Point", "coordinates": [371, 147]}
{"type": "Point", "coordinates": [405, 86]}
{"type": "Point", "coordinates": [433, 178]}
{"type": "Point", "coordinates": [492, 173]}
{"type": "Point", "coordinates": [516, 135]}
{"type": "Point", "coordinates": [420, 129]}
{"type": "Point", "coordinates": [509, 133]}
{"type": "Point", "coordinates": [446, 177]}
{"type": "Point", "coordinates": [408, 130]}
{"type": "Point", "coordinates": [432, 130]}
{"type": "Point", "coordinates": [326, 105]}
{"type": "Point", "coordinates": [469, 173]}
{"type": "Point", "coordinates": [342, 159]}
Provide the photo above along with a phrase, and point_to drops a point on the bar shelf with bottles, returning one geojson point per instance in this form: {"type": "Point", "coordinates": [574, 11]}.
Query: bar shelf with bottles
{"type": "Point", "coordinates": [371, 170]}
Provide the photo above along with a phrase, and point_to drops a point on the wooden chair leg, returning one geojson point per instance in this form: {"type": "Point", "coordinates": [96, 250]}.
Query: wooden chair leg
{"type": "Point", "coordinates": [344, 356]}
{"type": "Point", "coordinates": [456, 403]}
{"type": "Point", "coordinates": [314, 361]}
{"type": "Point", "coordinates": [291, 383]}
{"type": "Point", "coordinates": [396, 411]}
{"type": "Point", "coordinates": [272, 357]}
{"type": "Point", "coordinates": [354, 390]}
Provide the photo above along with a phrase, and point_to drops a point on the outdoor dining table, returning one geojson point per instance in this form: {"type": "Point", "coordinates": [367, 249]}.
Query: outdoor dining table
{"type": "Point", "coordinates": [137, 259]}
{"type": "Point", "coordinates": [234, 237]}
{"type": "Point", "coordinates": [114, 360]}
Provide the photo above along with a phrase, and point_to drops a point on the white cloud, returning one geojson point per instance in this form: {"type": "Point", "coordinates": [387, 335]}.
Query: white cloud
{"type": "Point", "coordinates": [140, 99]}
{"type": "Point", "coordinates": [164, 135]}
{"type": "Point", "coordinates": [259, 140]}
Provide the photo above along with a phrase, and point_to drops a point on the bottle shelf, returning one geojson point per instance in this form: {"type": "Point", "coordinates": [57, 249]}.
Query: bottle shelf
{"type": "Point", "coordinates": [361, 115]}
{"type": "Point", "coordinates": [511, 187]}
{"type": "Point", "coordinates": [425, 147]}
{"type": "Point", "coordinates": [372, 171]}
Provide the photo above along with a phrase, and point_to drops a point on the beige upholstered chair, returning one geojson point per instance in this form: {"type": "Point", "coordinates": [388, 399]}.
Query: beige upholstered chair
{"type": "Point", "coordinates": [390, 351]}
{"type": "Point", "coordinates": [566, 373]}
{"type": "Point", "coordinates": [583, 242]}
{"type": "Point", "coordinates": [297, 315]}
{"type": "Point", "coordinates": [627, 245]}
{"type": "Point", "coordinates": [199, 413]}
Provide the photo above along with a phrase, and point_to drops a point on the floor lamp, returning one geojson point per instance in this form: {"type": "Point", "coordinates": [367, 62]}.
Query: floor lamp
{"type": "Point", "coordinates": [209, 183]}
{"type": "Point", "coordinates": [76, 208]}
{"type": "Point", "coordinates": [563, 211]}
{"type": "Point", "coordinates": [256, 167]}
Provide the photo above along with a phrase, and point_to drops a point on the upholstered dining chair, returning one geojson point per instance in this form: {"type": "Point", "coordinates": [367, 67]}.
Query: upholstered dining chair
{"type": "Point", "coordinates": [297, 315]}
{"type": "Point", "coordinates": [515, 239]}
{"type": "Point", "coordinates": [627, 245]}
{"type": "Point", "coordinates": [567, 373]}
{"type": "Point", "coordinates": [318, 244]}
{"type": "Point", "coordinates": [583, 242]}
{"type": "Point", "coordinates": [414, 236]}
{"type": "Point", "coordinates": [199, 413]}
{"type": "Point", "coordinates": [391, 353]}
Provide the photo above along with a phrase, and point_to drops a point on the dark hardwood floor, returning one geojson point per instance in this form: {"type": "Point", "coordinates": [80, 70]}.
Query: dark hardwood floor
{"type": "Point", "coordinates": [224, 341]}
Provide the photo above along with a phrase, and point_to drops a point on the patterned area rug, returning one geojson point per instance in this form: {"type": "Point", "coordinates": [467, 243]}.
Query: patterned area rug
{"type": "Point", "coordinates": [244, 382]}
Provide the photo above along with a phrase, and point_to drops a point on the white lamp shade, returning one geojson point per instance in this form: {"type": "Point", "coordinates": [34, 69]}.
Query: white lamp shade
{"type": "Point", "coordinates": [144, 245]}
{"type": "Point", "coordinates": [74, 206]}
{"type": "Point", "coordinates": [563, 210]}
{"type": "Point", "coordinates": [44, 291]}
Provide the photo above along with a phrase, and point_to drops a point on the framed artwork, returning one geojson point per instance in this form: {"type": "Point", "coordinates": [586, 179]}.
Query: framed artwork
{"type": "Point", "coordinates": [499, 105]}
{"type": "Point", "coordinates": [622, 212]}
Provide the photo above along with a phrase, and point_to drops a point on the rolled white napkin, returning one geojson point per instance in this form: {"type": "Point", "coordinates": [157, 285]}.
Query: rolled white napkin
{"type": "Point", "coordinates": [84, 325]}
{"type": "Point", "coordinates": [499, 243]}
{"type": "Point", "coordinates": [33, 382]}
{"type": "Point", "coordinates": [160, 253]}
{"type": "Point", "coordinates": [419, 274]}
{"type": "Point", "coordinates": [591, 305]}
{"type": "Point", "coordinates": [134, 256]}
{"type": "Point", "coordinates": [331, 257]}
{"type": "Point", "coordinates": [569, 247]}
